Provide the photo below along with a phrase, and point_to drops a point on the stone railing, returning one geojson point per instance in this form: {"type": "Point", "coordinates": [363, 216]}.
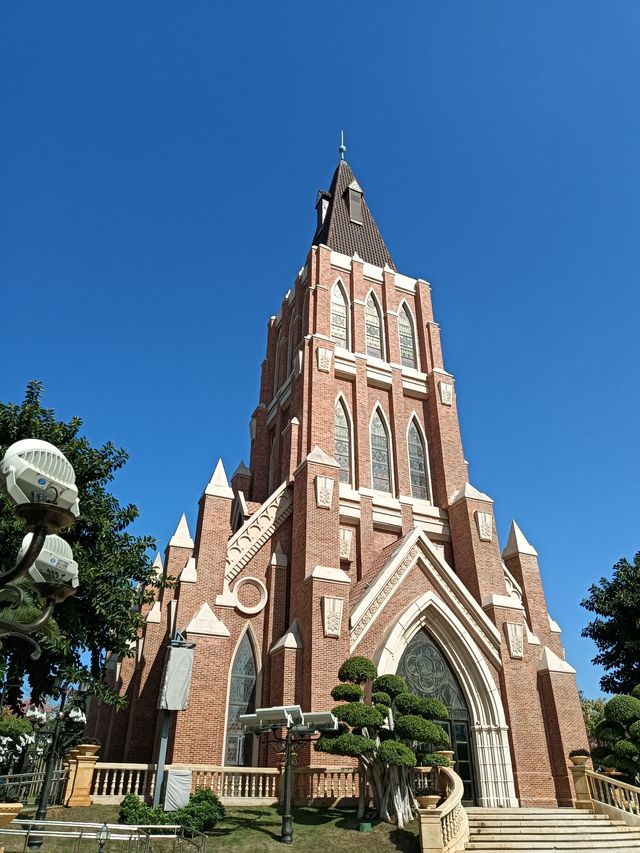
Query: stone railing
{"type": "Point", "coordinates": [445, 829]}
{"type": "Point", "coordinates": [326, 784]}
{"type": "Point", "coordinates": [236, 785]}
{"type": "Point", "coordinates": [606, 795]}
{"type": "Point", "coordinates": [113, 781]}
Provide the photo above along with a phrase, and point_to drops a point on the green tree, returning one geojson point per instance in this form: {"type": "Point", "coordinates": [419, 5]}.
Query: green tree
{"type": "Point", "coordinates": [618, 736]}
{"type": "Point", "coordinates": [593, 713]}
{"type": "Point", "coordinates": [383, 733]}
{"type": "Point", "coordinates": [616, 628]}
{"type": "Point", "coordinates": [114, 570]}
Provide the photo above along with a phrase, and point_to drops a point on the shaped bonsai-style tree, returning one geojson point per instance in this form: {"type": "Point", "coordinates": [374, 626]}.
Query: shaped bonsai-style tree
{"type": "Point", "coordinates": [382, 728]}
{"type": "Point", "coordinates": [618, 736]}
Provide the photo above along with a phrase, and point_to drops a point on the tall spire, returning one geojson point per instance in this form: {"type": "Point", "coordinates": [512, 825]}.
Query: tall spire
{"type": "Point", "coordinates": [339, 229]}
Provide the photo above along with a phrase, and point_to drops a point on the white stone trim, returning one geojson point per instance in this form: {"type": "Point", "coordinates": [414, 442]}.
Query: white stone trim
{"type": "Point", "coordinates": [518, 544]}
{"type": "Point", "coordinates": [501, 601]}
{"type": "Point", "coordinates": [291, 639]}
{"type": "Point", "coordinates": [470, 492]}
{"type": "Point", "coordinates": [154, 616]}
{"type": "Point", "coordinates": [218, 485]}
{"type": "Point", "coordinates": [418, 548]}
{"type": "Point", "coordinates": [326, 573]}
{"type": "Point", "coordinates": [189, 574]}
{"type": "Point", "coordinates": [493, 756]}
{"type": "Point", "coordinates": [257, 584]}
{"type": "Point", "coordinates": [206, 623]}
{"type": "Point", "coordinates": [550, 662]}
{"type": "Point", "coordinates": [181, 538]}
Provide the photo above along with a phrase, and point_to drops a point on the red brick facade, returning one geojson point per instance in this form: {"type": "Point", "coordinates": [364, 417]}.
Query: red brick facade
{"type": "Point", "coordinates": [315, 569]}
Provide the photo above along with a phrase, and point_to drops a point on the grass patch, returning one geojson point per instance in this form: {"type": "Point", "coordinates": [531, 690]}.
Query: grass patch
{"type": "Point", "coordinates": [256, 829]}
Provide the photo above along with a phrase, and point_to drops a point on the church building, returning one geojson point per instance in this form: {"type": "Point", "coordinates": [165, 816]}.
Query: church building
{"type": "Point", "coordinates": [355, 530]}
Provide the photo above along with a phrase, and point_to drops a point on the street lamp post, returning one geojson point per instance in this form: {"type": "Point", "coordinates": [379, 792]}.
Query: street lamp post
{"type": "Point", "coordinates": [40, 481]}
{"type": "Point", "coordinates": [300, 727]}
{"type": "Point", "coordinates": [35, 842]}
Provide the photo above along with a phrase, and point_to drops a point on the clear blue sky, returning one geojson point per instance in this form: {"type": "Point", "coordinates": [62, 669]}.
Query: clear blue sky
{"type": "Point", "coordinates": [158, 170]}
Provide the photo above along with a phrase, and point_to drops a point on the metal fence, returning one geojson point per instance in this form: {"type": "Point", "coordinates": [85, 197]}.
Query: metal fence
{"type": "Point", "coordinates": [26, 786]}
{"type": "Point", "coordinates": [83, 837]}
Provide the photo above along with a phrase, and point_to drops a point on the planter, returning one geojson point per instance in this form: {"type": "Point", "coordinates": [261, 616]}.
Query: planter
{"type": "Point", "coordinates": [430, 801]}
{"type": "Point", "coordinates": [448, 753]}
{"type": "Point", "coordinates": [579, 760]}
{"type": "Point", "coordinates": [88, 748]}
{"type": "Point", "coordinates": [8, 811]}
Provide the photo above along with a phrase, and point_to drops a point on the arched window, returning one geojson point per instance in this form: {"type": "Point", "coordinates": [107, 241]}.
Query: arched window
{"type": "Point", "coordinates": [380, 455]}
{"type": "Point", "coordinates": [418, 467]}
{"type": "Point", "coordinates": [343, 442]}
{"type": "Point", "coordinates": [373, 326]}
{"type": "Point", "coordinates": [339, 320]}
{"type": "Point", "coordinates": [407, 338]}
{"type": "Point", "coordinates": [242, 700]}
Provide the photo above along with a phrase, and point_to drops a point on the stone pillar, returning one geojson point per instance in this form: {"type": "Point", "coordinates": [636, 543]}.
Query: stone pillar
{"type": "Point", "coordinates": [82, 779]}
{"type": "Point", "coordinates": [581, 785]}
{"type": "Point", "coordinates": [430, 832]}
{"type": "Point", "coordinates": [71, 764]}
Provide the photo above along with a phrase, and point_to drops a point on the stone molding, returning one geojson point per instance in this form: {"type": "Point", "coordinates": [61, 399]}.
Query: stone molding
{"type": "Point", "coordinates": [257, 530]}
{"type": "Point", "coordinates": [181, 538]}
{"type": "Point", "coordinates": [515, 639]}
{"type": "Point", "coordinates": [206, 623]}
{"type": "Point", "coordinates": [484, 523]}
{"type": "Point", "coordinates": [332, 609]}
{"type": "Point", "coordinates": [324, 491]}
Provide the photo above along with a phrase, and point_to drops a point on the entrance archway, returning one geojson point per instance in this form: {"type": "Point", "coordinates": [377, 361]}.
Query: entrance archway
{"type": "Point", "coordinates": [487, 722]}
{"type": "Point", "coordinates": [427, 673]}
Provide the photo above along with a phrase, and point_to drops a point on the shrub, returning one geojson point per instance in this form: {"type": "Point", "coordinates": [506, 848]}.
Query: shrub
{"type": "Point", "coordinates": [432, 759]}
{"type": "Point", "coordinates": [636, 692]}
{"type": "Point", "coordinates": [357, 670]}
{"type": "Point", "coordinates": [202, 812]}
{"type": "Point", "coordinates": [598, 753]}
{"type": "Point", "coordinates": [394, 685]}
{"type": "Point", "coordinates": [345, 744]}
{"type": "Point", "coordinates": [622, 709]}
{"type": "Point", "coordinates": [347, 693]}
{"type": "Point", "coordinates": [359, 715]}
{"type": "Point", "coordinates": [379, 697]}
{"type": "Point", "coordinates": [397, 754]}
{"type": "Point", "coordinates": [575, 752]}
{"type": "Point", "coordinates": [413, 727]}
{"type": "Point", "coordinates": [430, 709]}
{"type": "Point", "coordinates": [607, 730]}
{"type": "Point", "coordinates": [625, 748]}
{"type": "Point", "coordinates": [9, 794]}
{"type": "Point", "coordinates": [634, 731]}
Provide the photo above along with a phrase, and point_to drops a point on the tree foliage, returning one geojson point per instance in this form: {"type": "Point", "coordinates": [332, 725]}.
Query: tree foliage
{"type": "Point", "coordinates": [593, 713]}
{"type": "Point", "coordinates": [383, 733]}
{"type": "Point", "coordinates": [618, 737]}
{"type": "Point", "coordinates": [113, 563]}
{"type": "Point", "coordinates": [616, 628]}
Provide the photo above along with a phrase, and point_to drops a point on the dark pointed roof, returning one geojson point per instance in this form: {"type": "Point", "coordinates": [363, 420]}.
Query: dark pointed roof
{"type": "Point", "coordinates": [347, 237]}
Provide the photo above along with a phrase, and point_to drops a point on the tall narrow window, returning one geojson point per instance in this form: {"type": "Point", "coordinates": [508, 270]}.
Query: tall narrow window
{"type": "Point", "coordinates": [242, 700]}
{"type": "Point", "coordinates": [380, 456]}
{"type": "Point", "coordinates": [407, 338]}
{"type": "Point", "coordinates": [418, 470]}
{"type": "Point", "coordinates": [339, 324]}
{"type": "Point", "coordinates": [355, 206]}
{"type": "Point", "coordinates": [373, 326]}
{"type": "Point", "coordinates": [343, 442]}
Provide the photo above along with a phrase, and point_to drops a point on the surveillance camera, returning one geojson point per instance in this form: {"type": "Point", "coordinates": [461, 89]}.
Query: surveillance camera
{"type": "Point", "coordinates": [34, 471]}
{"type": "Point", "coordinates": [54, 568]}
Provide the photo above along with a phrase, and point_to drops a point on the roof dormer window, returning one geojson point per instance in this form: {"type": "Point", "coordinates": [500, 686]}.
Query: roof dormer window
{"type": "Point", "coordinates": [322, 206]}
{"type": "Point", "coordinates": [355, 203]}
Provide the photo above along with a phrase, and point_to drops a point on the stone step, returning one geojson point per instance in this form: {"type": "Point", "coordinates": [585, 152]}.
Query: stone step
{"type": "Point", "coordinates": [603, 837]}
{"type": "Point", "coordinates": [543, 824]}
{"type": "Point", "coordinates": [618, 844]}
{"type": "Point", "coordinates": [536, 832]}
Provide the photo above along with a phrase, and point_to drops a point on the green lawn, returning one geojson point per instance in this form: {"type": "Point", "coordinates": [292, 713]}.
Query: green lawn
{"type": "Point", "coordinates": [256, 829]}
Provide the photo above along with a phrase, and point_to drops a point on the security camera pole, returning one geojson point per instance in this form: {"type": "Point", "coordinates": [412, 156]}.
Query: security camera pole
{"type": "Point", "coordinates": [40, 481]}
{"type": "Point", "coordinates": [300, 727]}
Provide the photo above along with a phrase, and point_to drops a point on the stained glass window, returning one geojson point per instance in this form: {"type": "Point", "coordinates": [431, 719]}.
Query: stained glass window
{"type": "Point", "coordinates": [339, 324]}
{"type": "Point", "coordinates": [427, 673]}
{"type": "Point", "coordinates": [343, 442]}
{"type": "Point", "coordinates": [373, 327]}
{"type": "Point", "coordinates": [242, 700]}
{"type": "Point", "coordinates": [407, 339]}
{"type": "Point", "coordinates": [380, 456]}
{"type": "Point", "coordinates": [417, 463]}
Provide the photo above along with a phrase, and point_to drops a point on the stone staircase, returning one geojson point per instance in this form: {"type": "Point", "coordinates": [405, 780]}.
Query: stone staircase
{"type": "Point", "coordinates": [549, 829]}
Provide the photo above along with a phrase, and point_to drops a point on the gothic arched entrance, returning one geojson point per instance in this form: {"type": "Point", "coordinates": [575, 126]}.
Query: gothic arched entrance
{"type": "Point", "coordinates": [428, 673]}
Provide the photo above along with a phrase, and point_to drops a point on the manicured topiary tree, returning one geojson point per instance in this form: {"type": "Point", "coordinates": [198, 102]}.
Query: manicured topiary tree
{"type": "Point", "coordinates": [382, 727]}
{"type": "Point", "coordinates": [618, 736]}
